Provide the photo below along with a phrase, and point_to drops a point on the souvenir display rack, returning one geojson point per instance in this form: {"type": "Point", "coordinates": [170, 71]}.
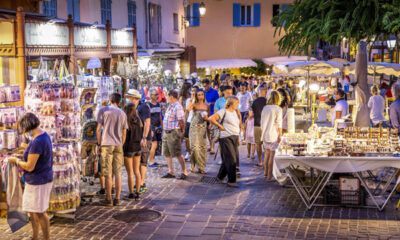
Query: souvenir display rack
{"type": "Point", "coordinates": [58, 107]}
{"type": "Point", "coordinates": [350, 141]}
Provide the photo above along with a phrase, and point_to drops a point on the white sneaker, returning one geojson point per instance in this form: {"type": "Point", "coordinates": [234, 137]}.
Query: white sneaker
{"type": "Point", "coordinates": [187, 156]}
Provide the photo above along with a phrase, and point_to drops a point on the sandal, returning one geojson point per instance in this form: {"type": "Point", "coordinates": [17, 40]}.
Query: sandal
{"type": "Point", "coordinates": [183, 177]}
{"type": "Point", "coordinates": [192, 170]}
{"type": "Point", "coordinates": [202, 172]}
{"type": "Point", "coordinates": [168, 175]}
{"type": "Point", "coordinates": [259, 165]}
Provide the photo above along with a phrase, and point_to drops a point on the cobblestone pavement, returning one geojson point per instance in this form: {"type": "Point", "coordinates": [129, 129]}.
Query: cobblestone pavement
{"type": "Point", "coordinates": [195, 210]}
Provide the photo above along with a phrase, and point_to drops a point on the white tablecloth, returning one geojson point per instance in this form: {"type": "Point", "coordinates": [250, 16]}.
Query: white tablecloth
{"type": "Point", "coordinates": [338, 164]}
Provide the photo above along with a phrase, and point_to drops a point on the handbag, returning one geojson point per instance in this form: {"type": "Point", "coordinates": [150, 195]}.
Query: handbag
{"type": "Point", "coordinates": [215, 132]}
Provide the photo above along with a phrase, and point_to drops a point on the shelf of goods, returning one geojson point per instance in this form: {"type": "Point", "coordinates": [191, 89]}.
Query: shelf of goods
{"type": "Point", "coordinates": [57, 105]}
{"type": "Point", "coordinates": [350, 141]}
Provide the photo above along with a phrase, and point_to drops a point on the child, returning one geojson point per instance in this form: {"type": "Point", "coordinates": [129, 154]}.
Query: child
{"type": "Point", "coordinates": [249, 133]}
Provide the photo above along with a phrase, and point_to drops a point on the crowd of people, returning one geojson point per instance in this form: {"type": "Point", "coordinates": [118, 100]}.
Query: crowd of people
{"type": "Point", "coordinates": [210, 116]}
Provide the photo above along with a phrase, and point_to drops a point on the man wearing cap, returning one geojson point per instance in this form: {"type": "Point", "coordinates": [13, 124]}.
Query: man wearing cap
{"type": "Point", "coordinates": [174, 126]}
{"type": "Point", "coordinates": [144, 113]}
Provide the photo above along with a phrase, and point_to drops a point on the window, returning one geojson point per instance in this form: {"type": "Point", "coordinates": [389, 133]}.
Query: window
{"type": "Point", "coordinates": [155, 23]}
{"type": "Point", "coordinates": [131, 13]}
{"type": "Point", "coordinates": [73, 9]}
{"type": "Point", "coordinates": [193, 14]}
{"type": "Point", "coordinates": [276, 9]}
{"type": "Point", "coordinates": [49, 8]}
{"type": "Point", "coordinates": [176, 22]}
{"type": "Point", "coordinates": [275, 12]}
{"type": "Point", "coordinates": [246, 15]}
{"type": "Point", "coordinates": [105, 6]}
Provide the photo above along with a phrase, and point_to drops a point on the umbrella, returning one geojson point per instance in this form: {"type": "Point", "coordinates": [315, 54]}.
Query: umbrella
{"type": "Point", "coordinates": [305, 68]}
{"type": "Point", "coordinates": [280, 59]}
{"type": "Point", "coordinates": [362, 91]}
{"type": "Point", "coordinates": [377, 68]}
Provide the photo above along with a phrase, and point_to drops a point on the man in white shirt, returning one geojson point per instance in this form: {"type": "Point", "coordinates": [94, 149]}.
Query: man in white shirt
{"type": "Point", "coordinates": [376, 104]}
{"type": "Point", "coordinates": [245, 99]}
{"type": "Point", "coordinates": [341, 108]}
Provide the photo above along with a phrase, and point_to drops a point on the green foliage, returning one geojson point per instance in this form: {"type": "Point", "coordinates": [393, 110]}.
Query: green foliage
{"type": "Point", "coordinates": [303, 23]}
{"type": "Point", "coordinates": [391, 19]}
{"type": "Point", "coordinates": [259, 70]}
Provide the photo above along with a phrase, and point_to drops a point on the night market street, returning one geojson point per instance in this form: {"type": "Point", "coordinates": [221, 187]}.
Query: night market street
{"type": "Point", "coordinates": [195, 210]}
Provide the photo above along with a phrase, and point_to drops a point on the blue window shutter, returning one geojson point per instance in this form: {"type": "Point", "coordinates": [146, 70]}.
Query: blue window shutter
{"type": "Point", "coordinates": [196, 14]}
{"type": "Point", "coordinates": [77, 13]}
{"type": "Point", "coordinates": [236, 14]}
{"type": "Point", "coordinates": [70, 7]}
{"type": "Point", "coordinates": [256, 14]}
{"type": "Point", "coordinates": [284, 6]}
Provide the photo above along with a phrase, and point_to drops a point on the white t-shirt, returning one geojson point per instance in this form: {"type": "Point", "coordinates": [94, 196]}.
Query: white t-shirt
{"type": "Point", "coordinates": [376, 104]}
{"type": "Point", "coordinates": [190, 116]}
{"type": "Point", "coordinates": [341, 106]}
{"type": "Point", "coordinates": [268, 93]}
{"type": "Point", "coordinates": [244, 101]}
{"type": "Point", "coordinates": [271, 120]}
{"type": "Point", "coordinates": [344, 81]}
{"type": "Point", "coordinates": [231, 123]}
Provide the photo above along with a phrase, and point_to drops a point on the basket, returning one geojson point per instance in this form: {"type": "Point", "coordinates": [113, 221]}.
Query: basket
{"type": "Point", "coordinates": [332, 195]}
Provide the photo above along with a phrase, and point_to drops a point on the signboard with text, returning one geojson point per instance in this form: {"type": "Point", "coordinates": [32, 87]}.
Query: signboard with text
{"type": "Point", "coordinates": [90, 37]}
{"type": "Point", "coordinates": [7, 33]}
{"type": "Point", "coordinates": [46, 34]}
{"type": "Point", "coordinates": [121, 38]}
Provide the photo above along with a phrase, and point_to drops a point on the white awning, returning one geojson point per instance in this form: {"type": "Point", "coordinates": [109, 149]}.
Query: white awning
{"type": "Point", "coordinates": [279, 59]}
{"type": "Point", "coordinates": [226, 63]}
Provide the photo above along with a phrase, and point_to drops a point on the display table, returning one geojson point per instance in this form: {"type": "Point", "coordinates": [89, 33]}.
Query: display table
{"type": "Point", "coordinates": [329, 165]}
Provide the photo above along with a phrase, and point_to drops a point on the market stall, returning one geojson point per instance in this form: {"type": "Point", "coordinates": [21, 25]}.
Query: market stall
{"type": "Point", "coordinates": [353, 156]}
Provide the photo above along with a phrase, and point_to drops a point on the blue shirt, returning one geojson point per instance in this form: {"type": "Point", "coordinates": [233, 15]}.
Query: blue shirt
{"type": "Point", "coordinates": [43, 171]}
{"type": "Point", "coordinates": [220, 104]}
{"type": "Point", "coordinates": [395, 114]}
{"type": "Point", "coordinates": [211, 97]}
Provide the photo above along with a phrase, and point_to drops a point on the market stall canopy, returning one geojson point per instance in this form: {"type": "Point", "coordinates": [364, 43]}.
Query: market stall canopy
{"type": "Point", "coordinates": [377, 68]}
{"type": "Point", "coordinates": [226, 63]}
{"type": "Point", "coordinates": [280, 59]}
{"type": "Point", "coordinates": [304, 68]}
{"type": "Point", "coordinates": [339, 60]}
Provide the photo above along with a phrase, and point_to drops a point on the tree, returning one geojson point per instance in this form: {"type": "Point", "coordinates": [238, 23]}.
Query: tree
{"type": "Point", "coordinates": [303, 23]}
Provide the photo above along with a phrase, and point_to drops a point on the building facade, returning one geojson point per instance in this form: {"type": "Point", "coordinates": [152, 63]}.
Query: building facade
{"type": "Point", "coordinates": [235, 29]}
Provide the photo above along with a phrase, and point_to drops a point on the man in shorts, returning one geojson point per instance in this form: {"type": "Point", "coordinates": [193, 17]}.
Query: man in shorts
{"type": "Point", "coordinates": [144, 113]}
{"type": "Point", "coordinates": [256, 109]}
{"type": "Point", "coordinates": [112, 120]}
{"type": "Point", "coordinates": [174, 126]}
{"type": "Point", "coordinates": [156, 124]}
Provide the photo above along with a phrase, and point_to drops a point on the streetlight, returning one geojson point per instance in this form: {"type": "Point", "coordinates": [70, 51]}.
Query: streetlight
{"type": "Point", "coordinates": [391, 44]}
{"type": "Point", "coordinates": [202, 9]}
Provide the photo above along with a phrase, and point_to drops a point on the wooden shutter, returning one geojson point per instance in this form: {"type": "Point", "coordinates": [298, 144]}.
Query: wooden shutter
{"type": "Point", "coordinates": [236, 14]}
{"type": "Point", "coordinates": [76, 12]}
{"type": "Point", "coordinates": [159, 23]}
{"type": "Point", "coordinates": [70, 7]}
{"type": "Point", "coordinates": [196, 14]}
{"type": "Point", "coordinates": [256, 14]}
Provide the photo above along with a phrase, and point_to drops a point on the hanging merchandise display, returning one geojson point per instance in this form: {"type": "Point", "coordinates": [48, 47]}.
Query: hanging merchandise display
{"type": "Point", "coordinates": [57, 105]}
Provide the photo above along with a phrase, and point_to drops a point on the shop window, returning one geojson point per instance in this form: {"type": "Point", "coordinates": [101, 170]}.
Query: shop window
{"type": "Point", "coordinates": [193, 14]}
{"type": "Point", "coordinates": [73, 9]}
{"type": "Point", "coordinates": [246, 15]}
{"type": "Point", "coordinates": [105, 6]}
{"type": "Point", "coordinates": [155, 23]}
{"type": "Point", "coordinates": [131, 13]}
{"type": "Point", "coordinates": [49, 8]}
{"type": "Point", "coordinates": [176, 23]}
